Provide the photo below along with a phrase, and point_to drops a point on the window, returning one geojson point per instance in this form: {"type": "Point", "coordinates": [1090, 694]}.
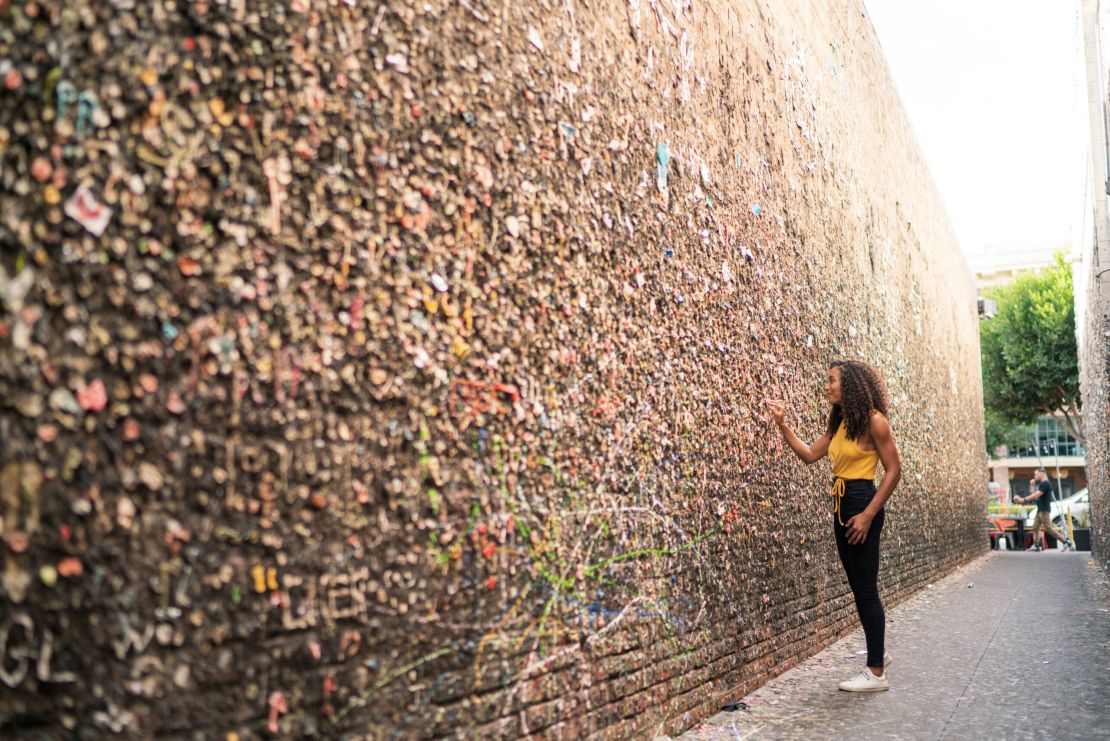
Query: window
{"type": "Point", "coordinates": [1048, 439]}
{"type": "Point", "coordinates": [1065, 487]}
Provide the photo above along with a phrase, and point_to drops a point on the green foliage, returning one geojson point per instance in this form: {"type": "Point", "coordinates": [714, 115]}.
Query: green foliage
{"type": "Point", "coordinates": [1001, 433]}
{"type": "Point", "coordinates": [994, 508]}
{"type": "Point", "coordinates": [1030, 360]}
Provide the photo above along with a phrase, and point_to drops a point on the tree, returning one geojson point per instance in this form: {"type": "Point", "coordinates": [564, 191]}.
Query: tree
{"type": "Point", "coordinates": [1030, 360]}
{"type": "Point", "coordinates": [999, 433]}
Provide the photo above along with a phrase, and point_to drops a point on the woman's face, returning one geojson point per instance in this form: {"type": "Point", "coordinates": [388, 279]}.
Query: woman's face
{"type": "Point", "coordinates": [832, 385]}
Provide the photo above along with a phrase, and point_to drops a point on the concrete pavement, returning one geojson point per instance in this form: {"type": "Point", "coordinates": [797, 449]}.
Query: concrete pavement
{"type": "Point", "coordinates": [1015, 645]}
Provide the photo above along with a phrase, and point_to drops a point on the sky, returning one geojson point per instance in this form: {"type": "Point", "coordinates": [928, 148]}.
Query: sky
{"type": "Point", "coordinates": [995, 92]}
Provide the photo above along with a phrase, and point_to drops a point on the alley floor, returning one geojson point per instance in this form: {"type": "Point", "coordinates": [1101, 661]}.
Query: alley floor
{"type": "Point", "coordinates": [1015, 645]}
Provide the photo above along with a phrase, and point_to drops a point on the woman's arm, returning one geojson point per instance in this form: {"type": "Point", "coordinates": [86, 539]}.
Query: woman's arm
{"type": "Point", "coordinates": [808, 453]}
{"type": "Point", "coordinates": [892, 465]}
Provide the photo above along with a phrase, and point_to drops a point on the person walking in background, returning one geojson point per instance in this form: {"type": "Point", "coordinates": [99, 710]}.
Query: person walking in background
{"type": "Point", "coordinates": [1043, 496]}
{"type": "Point", "coordinates": [857, 437]}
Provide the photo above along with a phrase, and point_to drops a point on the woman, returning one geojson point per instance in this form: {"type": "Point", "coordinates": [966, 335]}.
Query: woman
{"type": "Point", "coordinates": [856, 438]}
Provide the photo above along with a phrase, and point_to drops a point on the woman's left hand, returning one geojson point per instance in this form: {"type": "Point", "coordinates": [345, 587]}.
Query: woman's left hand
{"type": "Point", "coordinates": [857, 527]}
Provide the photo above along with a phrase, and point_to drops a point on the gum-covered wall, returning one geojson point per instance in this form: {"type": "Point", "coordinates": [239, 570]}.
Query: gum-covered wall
{"type": "Point", "coordinates": [396, 367]}
{"type": "Point", "coordinates": [1094, 378]}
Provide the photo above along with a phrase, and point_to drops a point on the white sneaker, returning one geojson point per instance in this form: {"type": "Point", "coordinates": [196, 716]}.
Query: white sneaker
{"type": "Point", "coordinates": [865, 681]}
{"type": "Point", "coordinates": [886, 660]}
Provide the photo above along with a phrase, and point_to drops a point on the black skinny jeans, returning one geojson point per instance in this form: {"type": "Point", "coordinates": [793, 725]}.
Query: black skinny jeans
{"type": "Point", "coordinates": [861, 564]}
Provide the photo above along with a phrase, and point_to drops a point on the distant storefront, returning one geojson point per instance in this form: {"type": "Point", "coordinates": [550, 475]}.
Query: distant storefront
{"type": "Point", "coordinates": [1062, 456]}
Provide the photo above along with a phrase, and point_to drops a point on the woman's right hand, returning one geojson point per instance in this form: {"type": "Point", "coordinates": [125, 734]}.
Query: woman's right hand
{"type": "Point", "coordinates": [777, 407]}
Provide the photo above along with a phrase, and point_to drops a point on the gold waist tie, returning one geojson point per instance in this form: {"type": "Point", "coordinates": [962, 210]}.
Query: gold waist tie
{"type": "Point", "coordinates": [838, 494]}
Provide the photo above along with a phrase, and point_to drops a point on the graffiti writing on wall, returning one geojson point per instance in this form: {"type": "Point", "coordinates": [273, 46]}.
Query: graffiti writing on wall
{"type": "Point", "coordinates": [25, 648]}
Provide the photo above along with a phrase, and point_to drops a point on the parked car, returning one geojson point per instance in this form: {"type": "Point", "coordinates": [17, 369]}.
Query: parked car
{"type": "Point", "coordinates": [1078, 504]}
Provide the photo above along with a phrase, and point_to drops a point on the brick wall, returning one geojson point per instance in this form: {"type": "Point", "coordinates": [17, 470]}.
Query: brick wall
{"type": "Point", "coordinates": [1094, 369]}
{"type": "Point", "coordinates": [398, 367]}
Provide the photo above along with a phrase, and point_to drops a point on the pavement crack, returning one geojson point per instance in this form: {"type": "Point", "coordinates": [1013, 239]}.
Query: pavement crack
{"type": "Point", "coordinates": [975, 670]}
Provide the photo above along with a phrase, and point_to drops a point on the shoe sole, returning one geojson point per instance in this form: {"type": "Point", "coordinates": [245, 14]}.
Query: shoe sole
{"type": "Point", "coordinates": [873, 689]}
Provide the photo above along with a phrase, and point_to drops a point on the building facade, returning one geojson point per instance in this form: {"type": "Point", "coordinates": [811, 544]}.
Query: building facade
{"type": "Point", "coordinates": [1049, 447]}
{"type": "Point", "coordinates": [1046, 442]}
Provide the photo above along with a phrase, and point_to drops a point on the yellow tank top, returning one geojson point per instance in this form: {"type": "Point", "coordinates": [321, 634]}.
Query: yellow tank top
{"type": "Point", "coordinates": [849, 462]}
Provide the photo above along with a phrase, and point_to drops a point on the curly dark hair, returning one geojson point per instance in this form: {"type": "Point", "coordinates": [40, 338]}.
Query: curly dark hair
{"type": "Point", "coordinates": [861, 392]}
